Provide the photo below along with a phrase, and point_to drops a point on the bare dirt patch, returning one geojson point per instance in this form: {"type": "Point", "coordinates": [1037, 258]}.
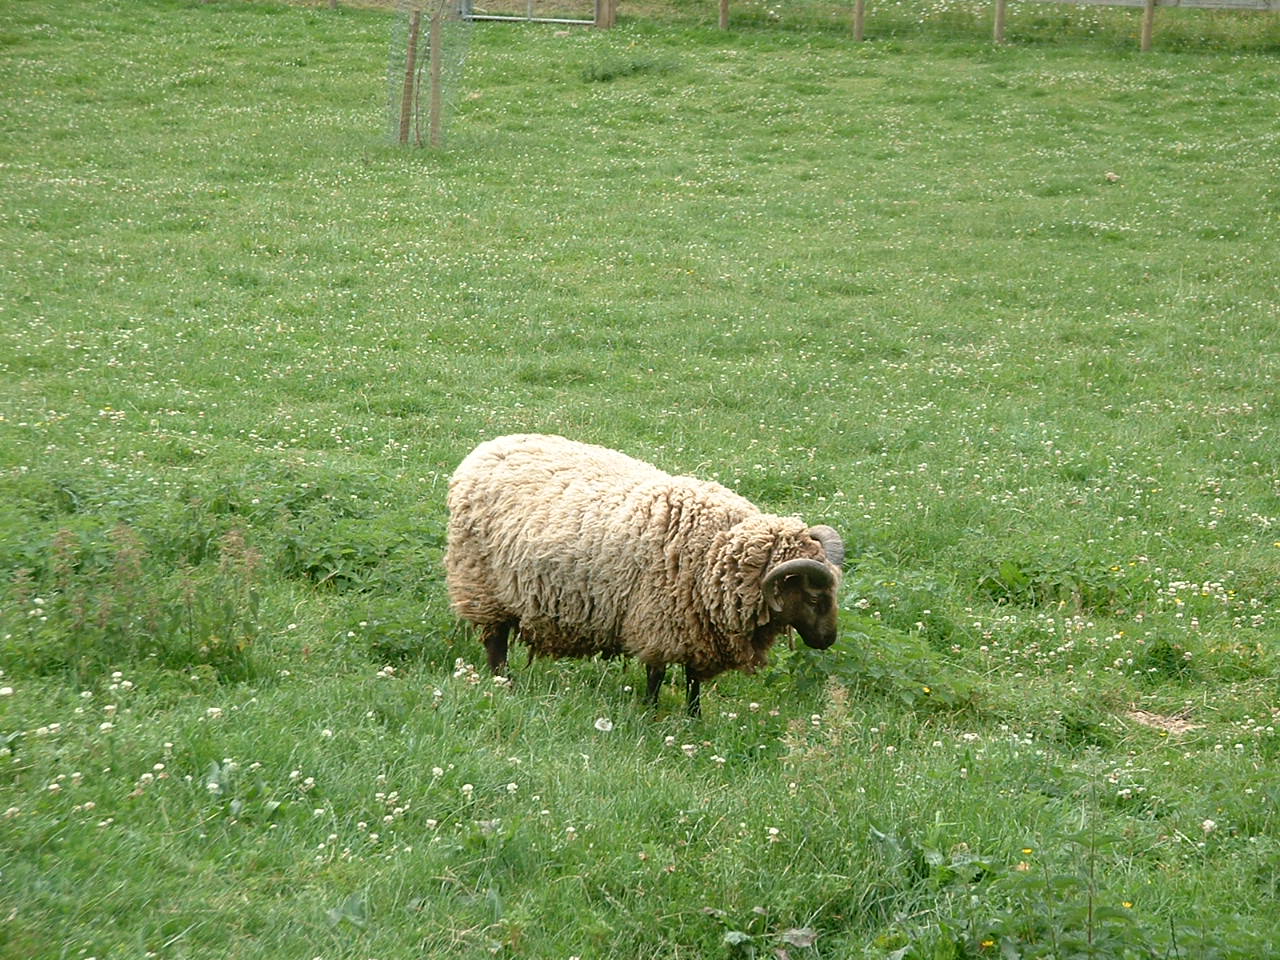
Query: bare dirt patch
{"type": "Point", "coordinates": [1177, 723]}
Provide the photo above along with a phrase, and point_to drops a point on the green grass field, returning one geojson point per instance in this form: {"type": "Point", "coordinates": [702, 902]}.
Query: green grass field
{"type": "Point", "coordinates": [1006, 317]}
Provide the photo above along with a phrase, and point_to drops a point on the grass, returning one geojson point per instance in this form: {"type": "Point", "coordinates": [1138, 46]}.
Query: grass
{"type": "Point", "coordinates": [1002, 316]}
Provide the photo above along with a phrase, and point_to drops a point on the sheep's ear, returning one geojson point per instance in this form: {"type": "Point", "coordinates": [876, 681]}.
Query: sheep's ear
{"type": "Point", "coordinates": [773, 596]}
{"type": "Point", "coordinates": [817, 575]}
{"type": "Point", "coordinates": [775, 588]}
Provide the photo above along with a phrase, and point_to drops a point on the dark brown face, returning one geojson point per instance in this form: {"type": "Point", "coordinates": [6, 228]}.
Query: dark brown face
{"type": "Point", "coordinates": [809, 609]}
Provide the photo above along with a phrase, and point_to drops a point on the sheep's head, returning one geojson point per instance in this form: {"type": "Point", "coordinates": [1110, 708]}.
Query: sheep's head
{"type": "Point", "coordinates": [801, 593]}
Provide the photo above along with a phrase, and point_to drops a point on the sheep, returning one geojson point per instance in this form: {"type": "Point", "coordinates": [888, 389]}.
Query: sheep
{"type": "Point", "coordinates": [583, 551]}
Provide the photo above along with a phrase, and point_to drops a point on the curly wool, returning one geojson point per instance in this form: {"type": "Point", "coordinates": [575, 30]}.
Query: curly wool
{"type": "Point", "coordinates": [594, 552]}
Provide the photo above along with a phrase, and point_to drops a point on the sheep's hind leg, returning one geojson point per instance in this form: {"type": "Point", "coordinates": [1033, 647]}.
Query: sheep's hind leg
{"type": "Point", "coordinates": [693, 693]}
{"type": "Point", "coordinates": [494, 638]}
{"type": "Point", "coordinates": [656, 674]}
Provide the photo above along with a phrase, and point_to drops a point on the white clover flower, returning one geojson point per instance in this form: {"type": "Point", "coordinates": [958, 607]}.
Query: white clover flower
{"type": "Point", "coordinates": [689, 749]}
{"type": "Point", "coordinates": [1208, 826]}
{"type": "Point", "coordinates": [603, 724]}
{"type": "Point", "coordinates": [6, 691]}
{"type": "Point", "coordinates": [468, 789]}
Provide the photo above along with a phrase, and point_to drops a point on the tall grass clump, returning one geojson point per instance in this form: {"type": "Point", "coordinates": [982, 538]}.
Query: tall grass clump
{"type": "Point", "coordinates": [100, 601]}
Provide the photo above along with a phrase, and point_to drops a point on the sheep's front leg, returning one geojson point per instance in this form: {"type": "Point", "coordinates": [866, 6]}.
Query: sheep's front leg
{"type": "Point", "coordinates": [693, 693]}
{"type": "Point", "coordinates": [655, 674]}
{"type": "Point", "coordinates": [494, 638]}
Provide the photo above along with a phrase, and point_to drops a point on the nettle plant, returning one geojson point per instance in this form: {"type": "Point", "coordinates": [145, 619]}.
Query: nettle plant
{"type": "Point", "coordinates": [1033, 903]}
{"type": "Point", "coordinates": [98, 600]}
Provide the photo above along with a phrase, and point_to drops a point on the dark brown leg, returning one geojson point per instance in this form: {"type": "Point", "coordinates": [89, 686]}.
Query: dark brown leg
{"type": "Point", "coordinates": [693, 693]}
{"type": "Point", "coordinates": [656, 675]}
{"type": "Point", "coordinates": [494, 638]}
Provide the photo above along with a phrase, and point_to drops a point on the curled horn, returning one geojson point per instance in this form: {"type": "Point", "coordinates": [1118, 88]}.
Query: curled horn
{"type": "Point", "coordinates": [818, 574]}
{"type": "Point", "coordinates": [832, 545]}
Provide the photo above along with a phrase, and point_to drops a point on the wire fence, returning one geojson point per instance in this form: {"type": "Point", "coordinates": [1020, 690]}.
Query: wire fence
{"type": "Point", "coordinates": [565, 12]}
{"type": "Point", "coordinates": [430, 37]}
{"type": "Point", "coordinates": [1253, 24]}
{"type": "Point", "coordinates": [429, 42]}
{"type": "Point", "coordinates": [1175, 24]}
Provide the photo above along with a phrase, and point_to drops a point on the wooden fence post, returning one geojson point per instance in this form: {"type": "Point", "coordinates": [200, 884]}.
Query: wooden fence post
{"type": "Point", "coordinates": [724, 14]}
{"type": "Point", "coordinates": [859, 19]}
{"type": "Point", "coordinates": [437, 55]}
{"type": "Point", "coordinates": [410, 66]}
{"type": "Point", "coordinates": [999, 27]}
{"type": "Point", "coordinates": [1148, 25]}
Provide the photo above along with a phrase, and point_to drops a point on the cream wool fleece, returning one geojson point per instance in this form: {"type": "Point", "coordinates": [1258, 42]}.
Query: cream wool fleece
{"type": "Point", "coordinates": [592, 551]}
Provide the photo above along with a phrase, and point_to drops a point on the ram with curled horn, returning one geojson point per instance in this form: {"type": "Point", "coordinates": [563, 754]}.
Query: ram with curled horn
{"type": "Point", "coordinates": [581, 550]}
